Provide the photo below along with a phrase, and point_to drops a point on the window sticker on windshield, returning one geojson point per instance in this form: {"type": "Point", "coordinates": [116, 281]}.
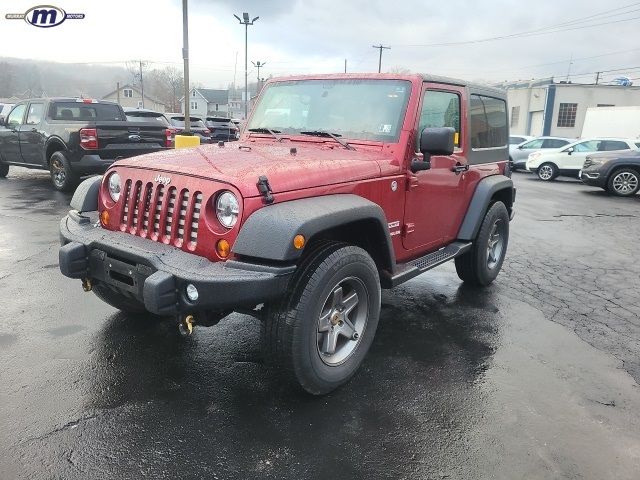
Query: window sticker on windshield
{"type": "Point", "coordinates": [384, 128]}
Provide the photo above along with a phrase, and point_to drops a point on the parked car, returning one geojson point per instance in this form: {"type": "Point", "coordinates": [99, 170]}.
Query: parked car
{"type": "Point", "coordinates": [363, 196]}
{"type": "Point", "coordinates": [518, 154]}
{"type": "Point", "coordinates": [196, 126]}
{"type": "Point", "coordinates": [73, 137]}
{"type": "Point", "coordinates": [222, 129]}
{"type": "Point", "coordinates": [145, 115]}
{"type": "Point", "coordinates": [5, 108]}
{"type": "Point", "coordinates": [568, 160]}
{"type": "Point", "coordinates": [518, 139]}
{"type": "Point", "coordinates": [617, 172]}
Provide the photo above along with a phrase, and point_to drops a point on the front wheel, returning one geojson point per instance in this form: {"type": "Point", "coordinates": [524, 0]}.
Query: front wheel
{"type": "Point", "coordinates": [624, 182]}
{"type": "Point", "coordinates": [480, 265]}
{"type": "Point", "coordinates": [323, 329]}
{"type": "Point", "coordinates": [62, 175]}
{"type": "Point", "coordinates": [4, 170]}
{"type": "Point", "coordinates": [547, 172]}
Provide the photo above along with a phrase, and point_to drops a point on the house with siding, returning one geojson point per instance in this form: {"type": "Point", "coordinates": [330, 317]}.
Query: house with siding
{"type": "Point", "coordinates": [207, 101]}
{"type": "Point", "coordinates": [131, 96]}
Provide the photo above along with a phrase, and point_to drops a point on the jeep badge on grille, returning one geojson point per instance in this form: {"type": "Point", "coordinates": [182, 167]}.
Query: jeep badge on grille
{"type": "Point", "coordinates": [162, 180]}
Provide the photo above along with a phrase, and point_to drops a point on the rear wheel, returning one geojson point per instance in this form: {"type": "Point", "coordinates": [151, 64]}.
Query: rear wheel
{"type": "Point", "coordinates": [624, 182]}
{"type": "Point", "coordinates": [117, 300]}
{"type": "Point", "coordinates": [547, 172]}
{"type": "Point", "coordinates": [481, 265]}
{"type": "Point", "coordinates": [322, 330]}
{"type": "Point", "coordinates": [62, 175]}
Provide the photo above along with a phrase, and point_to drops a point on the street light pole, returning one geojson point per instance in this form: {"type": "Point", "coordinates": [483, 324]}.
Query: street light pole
{"type": "Point", "coordinates": [245, 21]}
{"type": "Point", "coordinates": [185, 57]}
{"type": "Point", "coordinates": [257, 64]}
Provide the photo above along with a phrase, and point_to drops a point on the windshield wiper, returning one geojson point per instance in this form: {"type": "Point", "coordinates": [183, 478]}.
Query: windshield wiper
{"type": "Point", "coordinates": [335, 136]}
{"type": "Point", "coordinates": [274, 133]}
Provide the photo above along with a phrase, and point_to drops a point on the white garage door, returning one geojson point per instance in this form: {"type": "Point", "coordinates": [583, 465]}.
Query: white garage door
{"type": "Point", "coordinates": [537, 124]}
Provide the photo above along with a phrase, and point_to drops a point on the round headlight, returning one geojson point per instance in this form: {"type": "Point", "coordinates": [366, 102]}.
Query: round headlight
{"type": "Point", "coordinates": [227, 209]}
{"type": "Point", "coordinates": [114, 186]}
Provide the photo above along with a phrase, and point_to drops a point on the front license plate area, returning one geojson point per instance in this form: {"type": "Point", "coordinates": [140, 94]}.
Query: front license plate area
{"type": "Point", "coordinates": [119, 272]}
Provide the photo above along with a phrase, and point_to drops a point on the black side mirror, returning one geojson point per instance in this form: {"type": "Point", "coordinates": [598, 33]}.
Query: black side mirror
{"type": "Point", "coordinates": [520, 147]}
{"type": "Point", "coordinates": [570, 150]}
{"type": "Point", "coordinates": [434, 141]}
{"type": "Point", "coordinates": [2, 122]}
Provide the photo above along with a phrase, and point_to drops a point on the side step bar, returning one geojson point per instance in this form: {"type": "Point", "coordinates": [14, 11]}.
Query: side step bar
{"type": "Point", "coordinates": [413, 268]}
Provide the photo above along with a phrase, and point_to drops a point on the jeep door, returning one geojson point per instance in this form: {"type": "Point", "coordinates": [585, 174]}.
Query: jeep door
{"type": "Point", "coordinates": [10, 136]}
{"type": "Point", "coordinates": [436, 198]}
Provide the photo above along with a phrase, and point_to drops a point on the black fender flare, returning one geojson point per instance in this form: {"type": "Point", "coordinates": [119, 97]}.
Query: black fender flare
{"type": "Point", "coordinates": [268, 233]}
{"type": "Point", "coordinates": [85, 198]}
{"type": "Point", "coordinates": [487, 188]}
{"type": "Point", "coordinates": [50, 141]}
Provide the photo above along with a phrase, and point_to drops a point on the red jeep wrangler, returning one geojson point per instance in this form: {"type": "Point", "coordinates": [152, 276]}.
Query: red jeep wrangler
{"type": "Point", "coordinates": [340, 185]}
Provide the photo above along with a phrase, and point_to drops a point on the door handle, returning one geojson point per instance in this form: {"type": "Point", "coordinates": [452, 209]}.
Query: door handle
{"type": "Point", "coordinates": [458, 167]}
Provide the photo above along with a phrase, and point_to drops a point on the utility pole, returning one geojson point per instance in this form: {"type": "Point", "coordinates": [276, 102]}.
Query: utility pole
{"type": "Point", "coordinates": [598, 77]}
{"type": "Point", "coordinates": [141, 82]}
{"type": "Point", "coordinates": [185, 58]}
{"type": "Point", "coordinates": [569, 69]}
{"type": "Point", "coordinates": [257, 64]}
{"type": "Point", "coordinates": [245, 21]}
{"type": "Point", "coordinates": [345, 65]}
{"type": "Point", "coordinates": [118, 90]}
{"type": "Point", "coordinates": [380, 47]}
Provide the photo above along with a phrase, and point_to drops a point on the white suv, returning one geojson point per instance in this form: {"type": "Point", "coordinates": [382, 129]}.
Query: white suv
{"type": "Point", "coordinates": [568, 160]}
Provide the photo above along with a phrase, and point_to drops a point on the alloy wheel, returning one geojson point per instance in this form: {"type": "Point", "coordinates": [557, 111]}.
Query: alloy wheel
{"type": "Point", "coordinates": [495, 244]}
{"type": "Point", "coordinates": [58, 173]}
{"type": "Point", "coordinates": [342, 321]}
{"type": "Point", "coordinates": [625, 183]}
{"type": "Point", "coordinates": [545, 172]}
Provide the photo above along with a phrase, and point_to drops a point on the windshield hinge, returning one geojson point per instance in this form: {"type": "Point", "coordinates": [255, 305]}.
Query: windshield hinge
{"type": "Point", "coordinates": [265, 189]}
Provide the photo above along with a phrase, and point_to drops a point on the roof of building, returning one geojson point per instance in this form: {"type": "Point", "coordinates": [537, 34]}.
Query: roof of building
{"type": "Point", "coordinates": [128, 86]}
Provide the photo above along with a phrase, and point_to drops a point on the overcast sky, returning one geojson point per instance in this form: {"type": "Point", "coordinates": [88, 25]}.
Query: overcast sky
{"type": "Point", "coordinates": [307, 36]}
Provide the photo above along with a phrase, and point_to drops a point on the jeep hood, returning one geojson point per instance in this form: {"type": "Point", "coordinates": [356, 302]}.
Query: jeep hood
{"type": "Point", "coordinates": [311, 166]}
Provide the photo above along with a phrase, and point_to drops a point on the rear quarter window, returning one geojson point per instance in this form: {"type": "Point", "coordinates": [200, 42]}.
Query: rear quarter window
{"type": "Point", "coordinates": [488, 117]}
{"type": "Point", "coordinates": [84, 112]}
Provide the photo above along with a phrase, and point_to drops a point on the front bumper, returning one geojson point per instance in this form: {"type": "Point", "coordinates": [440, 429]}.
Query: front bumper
{"type": "Point", "coordinates": [593, 179]}
{"type": "Point", "coordinates": [156, 274]}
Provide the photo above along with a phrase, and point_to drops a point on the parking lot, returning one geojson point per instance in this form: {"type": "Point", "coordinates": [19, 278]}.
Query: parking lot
{"type": "Point", "coordinates": [534, 377]}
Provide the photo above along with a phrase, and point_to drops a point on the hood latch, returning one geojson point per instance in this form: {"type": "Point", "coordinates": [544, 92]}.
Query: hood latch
{"type": "Point", "coordinates": [265, 189]}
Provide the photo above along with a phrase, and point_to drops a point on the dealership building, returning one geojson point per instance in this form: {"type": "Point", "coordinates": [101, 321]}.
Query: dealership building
{"type": "Point", "coordinates": [544, 107]}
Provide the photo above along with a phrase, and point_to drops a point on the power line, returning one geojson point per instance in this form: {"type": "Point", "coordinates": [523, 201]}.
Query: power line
{"type": "Point", "coordinates": [556, 28]}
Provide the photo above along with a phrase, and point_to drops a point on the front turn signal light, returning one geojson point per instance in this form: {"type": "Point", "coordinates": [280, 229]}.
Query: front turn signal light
{"type": "Point", "coordinates": [104, 218]}
{"type": "Point", "coordinates": [299, 241]}
{"type": "Point", "coordinates": [223, 248]}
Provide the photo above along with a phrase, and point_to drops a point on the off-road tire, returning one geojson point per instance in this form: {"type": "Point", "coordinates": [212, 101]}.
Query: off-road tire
{"type": "Point", "coordinates": [615, 188]}
{"type": "Point", "coordinates": [4, 170]}
{"type": "Point", "coordinates": [63, 177]}
{"type": "Point", "coordinates": [117, 300]}
{"type": "Point", "coordinates": [292, 327]}
{"type": "Point", "coordinates": [548, 167]}
{"type": "Point", "coordinates": [473, 266]}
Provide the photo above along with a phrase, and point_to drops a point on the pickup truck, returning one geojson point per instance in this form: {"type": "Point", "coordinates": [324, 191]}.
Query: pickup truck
{"type": "Point", "coordinates": [73, 137]}
{"type": "Point", "coordinates": [340, 185]}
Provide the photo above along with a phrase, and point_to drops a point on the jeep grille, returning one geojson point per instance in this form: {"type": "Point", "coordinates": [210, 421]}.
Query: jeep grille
{"type": "Point", "coordinates": [164, 214]}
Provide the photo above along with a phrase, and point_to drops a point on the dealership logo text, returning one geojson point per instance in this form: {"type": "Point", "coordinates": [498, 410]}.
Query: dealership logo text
{"type": "Point", "coordinates": [44, 16]}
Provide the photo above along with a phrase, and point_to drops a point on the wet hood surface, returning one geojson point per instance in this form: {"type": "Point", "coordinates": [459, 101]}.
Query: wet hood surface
{"type": "Point", "coordinates": [311, 166]}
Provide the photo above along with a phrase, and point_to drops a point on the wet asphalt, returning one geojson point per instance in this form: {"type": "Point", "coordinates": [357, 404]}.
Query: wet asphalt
{"type": "Point", "coordinates": [534, 377]}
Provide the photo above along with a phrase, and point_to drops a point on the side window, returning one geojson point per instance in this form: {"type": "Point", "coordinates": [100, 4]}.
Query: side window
{"type": "Point", "coordinates": [588, 146]}
{"type": "Point", "coordinates": [16, 116]}
{"type": "Point", "coordinates": [440, 109]}
{"type": "Point", "coordinates": [554, 143]}
{"type": "Point", "coordinates": [488, 122]}
{"type": "Point", "coordinates": [537, 143]}
{"type": "Point", "coordinates": [610, 145]}
{"type": "Point", "coordinates": [34, 117]}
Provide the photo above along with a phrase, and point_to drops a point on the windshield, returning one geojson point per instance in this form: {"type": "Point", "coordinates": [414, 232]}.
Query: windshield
{"type": "Point", "coordinates": [356, 109]}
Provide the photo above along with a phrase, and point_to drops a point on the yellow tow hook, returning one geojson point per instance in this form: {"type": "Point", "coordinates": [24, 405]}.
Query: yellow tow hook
{"type": "Point", "coordinates": [86, 284]}
{"type": "Point", "coordinates": [186, 325]}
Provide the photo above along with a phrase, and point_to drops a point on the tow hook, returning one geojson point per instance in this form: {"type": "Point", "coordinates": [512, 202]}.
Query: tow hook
{"type": "Point", "coordinates": [86, 284]}
{"type": "Point", "coordinates": [185, 325]}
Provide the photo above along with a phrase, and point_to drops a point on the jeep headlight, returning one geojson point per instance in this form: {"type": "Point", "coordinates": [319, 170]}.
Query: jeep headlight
{"type": "Point", "coordinates": [115, 186]}
{"type": "Point", "coordinates": [227, 209]}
